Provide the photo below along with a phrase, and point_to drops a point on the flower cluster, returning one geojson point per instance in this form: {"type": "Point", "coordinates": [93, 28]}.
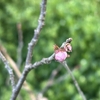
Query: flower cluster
{"type": "Point", "coordinates": [61, 53]}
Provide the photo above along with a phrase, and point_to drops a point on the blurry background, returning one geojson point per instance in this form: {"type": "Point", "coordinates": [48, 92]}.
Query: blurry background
{"type": "Point", "coordinates": [79, 19]}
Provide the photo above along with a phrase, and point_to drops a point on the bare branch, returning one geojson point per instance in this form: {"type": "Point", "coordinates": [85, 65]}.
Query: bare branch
{"type": "Point", "coordinates": [30, 49]}
{"type": "Point", "coordinates": [74, 80]}
{"type": "Point", "coordinates": [36, 32]}
{"type": "Point", "coordinates": [17, 72]}
{"type": "Point", "coordinates": [9, 70]}
{"type": "Point", "coordinates": [29, 67]}
{"type": "Point", "coordinates": [20, 44]}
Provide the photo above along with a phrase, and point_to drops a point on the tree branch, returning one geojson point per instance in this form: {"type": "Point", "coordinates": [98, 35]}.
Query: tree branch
{"type": "Point", "coordinates": [74, 80]}
{"type": "Point", "coordinates": [36, 32]}
{"type": "Point", "coordinates": [30, 67]}
{"type": "Point", "coordinates": [30, 49]}
{"type": "Point", "coordinates": [9, 70]}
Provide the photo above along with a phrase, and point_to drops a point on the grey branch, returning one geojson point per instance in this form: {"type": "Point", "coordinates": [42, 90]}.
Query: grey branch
{"type": "Point", "coordinates": [74, 80]}
{"type": "Point", "coordinates": [30, 67]}
{"type": "Point", "coordinates": [36, 32]}
{"type": "Point", "coordinates": [30, 50]}
{"type": "Point", "coordinates": [9, 70]}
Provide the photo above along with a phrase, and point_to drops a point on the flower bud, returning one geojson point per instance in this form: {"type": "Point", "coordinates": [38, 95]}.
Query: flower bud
{"type": "Point", "coordinates": [68, 47]}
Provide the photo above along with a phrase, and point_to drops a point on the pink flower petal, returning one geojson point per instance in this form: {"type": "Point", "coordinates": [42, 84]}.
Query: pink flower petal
{"type": "Point", "coordinates": [60, 56]}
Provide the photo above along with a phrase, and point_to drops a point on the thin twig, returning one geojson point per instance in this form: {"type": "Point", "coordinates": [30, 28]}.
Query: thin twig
{"type": "Point", "coordinates": [51, 80]}
{"type": "Point", "coordinates": [20, 44]}
{"type": "Point", "coordinates": [36, 32]}
{"type": "Point", "coordinates": [61, 78]}
{"type": "Point", "coordinates": [74, 80]}
{"type": "Point", "coordinates": [9, 70]}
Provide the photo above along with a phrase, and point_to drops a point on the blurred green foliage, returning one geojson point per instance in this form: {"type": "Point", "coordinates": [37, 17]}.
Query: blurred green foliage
{"type": "Point", "coordinates": [79, 19]}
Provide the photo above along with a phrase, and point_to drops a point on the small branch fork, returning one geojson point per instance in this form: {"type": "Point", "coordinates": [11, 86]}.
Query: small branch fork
{"type": "Point", "coordinates": [9, 70]}
{"type": "Point", "coordinates": [30, 50]}
{"type": "Point", "coordinates": [30, 67]}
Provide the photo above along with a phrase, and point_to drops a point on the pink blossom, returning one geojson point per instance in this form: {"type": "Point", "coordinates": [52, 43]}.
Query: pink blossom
{"type": "Point", "coordinates": [60, 56]}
